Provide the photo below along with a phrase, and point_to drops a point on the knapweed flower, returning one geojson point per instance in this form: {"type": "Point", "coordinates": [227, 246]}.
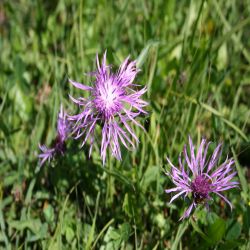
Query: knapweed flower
{"type": "Point", "coordinates": [113, 103]}
{"type": "Point", "coordinates": [198, 176]}
{"type": "Point", "coordinates": [63, 130]}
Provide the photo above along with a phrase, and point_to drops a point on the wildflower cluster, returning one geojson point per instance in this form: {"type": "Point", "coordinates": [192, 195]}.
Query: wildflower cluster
{"type": "Point", "coordinates": [113, 104]}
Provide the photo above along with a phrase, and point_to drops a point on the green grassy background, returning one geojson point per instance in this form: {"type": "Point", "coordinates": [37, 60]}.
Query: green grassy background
{"type": "Point", "coordinates": [195, 60]}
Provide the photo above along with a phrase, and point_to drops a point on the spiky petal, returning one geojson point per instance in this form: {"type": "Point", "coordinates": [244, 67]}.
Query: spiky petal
{"type": "Point", "coordinates": [63, 130]}
{"type": "Point", "coordinates": [199, 176]}
{"type": "Point", "coordinates": [113, 103]}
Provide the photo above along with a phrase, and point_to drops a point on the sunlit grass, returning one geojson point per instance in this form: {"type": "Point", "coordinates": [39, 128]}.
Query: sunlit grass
{"type": "Point", "coordinates": [194, 58]}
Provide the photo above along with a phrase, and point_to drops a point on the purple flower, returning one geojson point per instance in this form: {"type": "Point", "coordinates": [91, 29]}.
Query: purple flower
{"type": "Point", "coordinates": [63, 130]}
{"type": "Point", "coordinates": [113, 103]}
{"type": "Point", "coordinates": [198, 177]}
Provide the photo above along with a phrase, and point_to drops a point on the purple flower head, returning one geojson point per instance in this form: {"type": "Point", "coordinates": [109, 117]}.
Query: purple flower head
{"type": "Point", "coordinates": [198, 177]}
{"type": "Point", "coordinates": [59, 147]}
{"type": "Point", "coordinates": [113, 103]}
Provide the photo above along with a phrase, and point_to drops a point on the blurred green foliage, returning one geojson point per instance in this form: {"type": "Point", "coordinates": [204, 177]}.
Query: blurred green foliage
{"type": "Point", "coordinates": [195, 58]}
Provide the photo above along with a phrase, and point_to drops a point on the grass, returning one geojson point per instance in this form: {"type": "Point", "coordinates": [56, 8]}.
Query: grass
{"type": "Point", "coordinates": [194, 57]}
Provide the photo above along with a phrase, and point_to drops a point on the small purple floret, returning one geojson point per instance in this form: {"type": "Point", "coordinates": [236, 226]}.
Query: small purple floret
{"type": "Point", "coordinates": [200, 176]}
{"type": "Point", "coordinates": [59, 147]}
{"type": "Point", "coordinates": [200, 188]}
{"type": "Point", "coordinates": [113, 103]}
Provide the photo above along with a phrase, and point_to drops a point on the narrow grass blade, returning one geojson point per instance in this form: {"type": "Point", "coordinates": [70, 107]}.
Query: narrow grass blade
{"type": "Point", "coordinates": [181, 230]}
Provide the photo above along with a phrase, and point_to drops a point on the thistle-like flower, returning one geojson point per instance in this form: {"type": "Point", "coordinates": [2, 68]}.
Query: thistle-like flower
{"type": "Point", "coordinates": [198, 177]}
{"type": "Point", "coordinates": [113, 102]}
{"type": "Point", "coordinates": [59, 147]}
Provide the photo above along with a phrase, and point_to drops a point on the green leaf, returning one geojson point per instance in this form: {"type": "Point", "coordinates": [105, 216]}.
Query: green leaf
{"type": "Point", "coordinates": [216, 230]}
{"type": "Point", "coordinates": [114, 235]}
{"type": "Point", "coordinates": [69, 233]}
{"type": "Point", "coordinates": [199, 231]}
{"type": "Point", "coordinates": [234, 231]}
{"type": "Point", "coordinates": [33, 225]}
{"type": "Point", "coordinates": [160, 220]}
{"type": "Point", "coordinates": [125, 230]}
{"type": "Point", "coordinates": [150, 176]}
{"type": "Point", "coordinates": [112, 239]}
{"type": "Point", "coordinates": [127, 205]}
{"type": "Point", "coordinates": [231, 244]}
{"type": "Point", "coordinates": [222, 57]}
{"type": "Point", "coordinates": [49, 213]}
